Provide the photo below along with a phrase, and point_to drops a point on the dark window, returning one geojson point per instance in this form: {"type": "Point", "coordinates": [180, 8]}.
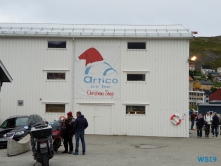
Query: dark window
{"type": "Point", "coordinates": [36, 119]}
{"type": "Point", "coordinates": [56, 76]}
{"type": "Point", "coordinates": [32, 120]}
{"type": "Point", "coordinates": [135, 109]}
{"type": "Point", "coordinates": [135, 77]}
{"type": "Point", "coordinates": [22, 121]}
{"type": "Point", "coordinates": [55, 107]}
{"type": "Point", "coordinates": [56, 44]}
{"type": "Point", "coordinates": [40, 119]}
{"type": "Point", "coordinates": [136, 45]}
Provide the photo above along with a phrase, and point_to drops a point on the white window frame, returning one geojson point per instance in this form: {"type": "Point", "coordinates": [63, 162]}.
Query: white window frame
{"type": "Point", "coordinates": [135, 104]}
{"type": "Point", "coordinates": [46, 71]}
{"type": "Point", "coordinates": [136, 41]}
{"type": "Point", "coordinates": [145, 72]}
{"type": "Point", "coordinates": [63, 40]}
{"type": "Point", "coordinates": [47, 102]}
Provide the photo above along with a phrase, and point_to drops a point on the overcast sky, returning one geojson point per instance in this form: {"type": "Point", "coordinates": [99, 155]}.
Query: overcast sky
{"type": "Point", "coordinates": [203, 16]}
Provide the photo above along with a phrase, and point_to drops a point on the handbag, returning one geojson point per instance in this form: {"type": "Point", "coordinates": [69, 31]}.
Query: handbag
{"type": "Point", "coordinates": [204, 128]}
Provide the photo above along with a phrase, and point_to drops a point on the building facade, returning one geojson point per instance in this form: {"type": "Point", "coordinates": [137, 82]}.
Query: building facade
{"type": "Point", "coordinates": [191, 80]}
{"type": "Point", "coordinates": [112, 74]}
{"type": "Point", "coordinates": [215, 95]}
{"type": "Point", "coordinates": [202, 85]}
{"type": "Point", "coordinates": [192, 67]}
{"type": "Point", "coordinates": [196, 97]}
{"type": "Point", "coordinates": [205, 69]}
{"type": "Point", "coordinates": [219, 70]}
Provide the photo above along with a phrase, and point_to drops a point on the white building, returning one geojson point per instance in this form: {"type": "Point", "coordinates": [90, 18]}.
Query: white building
{"type": "Point", "coordinates": [219, 70]}
{"type": "Point", "coordinates": [192, 67]}
{"type": "Point", "coordinates": [196, 97]}
{"type": "Point", "coordinates": [205, 69]}
{"type": "Point", "coordinates": [116, 75]}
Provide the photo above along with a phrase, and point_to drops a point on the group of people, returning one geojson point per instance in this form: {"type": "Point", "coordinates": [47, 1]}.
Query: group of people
{"type": "Point", "coordinates": [71, 127]}
{"type": "Point", "coordinates": [207, 122]}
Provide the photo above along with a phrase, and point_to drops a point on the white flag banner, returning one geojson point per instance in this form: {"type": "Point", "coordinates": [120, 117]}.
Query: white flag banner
{"type": "Point", "coordinates": [97, 72]}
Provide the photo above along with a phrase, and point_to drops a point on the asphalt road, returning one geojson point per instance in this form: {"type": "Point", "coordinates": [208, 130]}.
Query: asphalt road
{"type": "Point", "coordinates": [132, 151]}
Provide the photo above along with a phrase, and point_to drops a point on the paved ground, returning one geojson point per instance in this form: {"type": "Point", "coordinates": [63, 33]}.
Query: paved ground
{"type": "Point", "coordinates": [124, 151]}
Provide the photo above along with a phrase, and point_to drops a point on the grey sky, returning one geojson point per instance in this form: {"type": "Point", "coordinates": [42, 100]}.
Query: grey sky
{"type": "Point", "coordinates": [197, 15]}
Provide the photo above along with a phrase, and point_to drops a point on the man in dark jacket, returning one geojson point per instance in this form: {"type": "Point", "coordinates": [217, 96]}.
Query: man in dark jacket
{"type": "Point", "coordinates": [199, 123]}
{"type": "Point", "coordinates": [79, 126]}
{"type": "Point", "coordinates": [192, 118]}
{"type": "Point", "coordinates": [68, 133]}
{"type": "Point", "coordinates": [215, 124]}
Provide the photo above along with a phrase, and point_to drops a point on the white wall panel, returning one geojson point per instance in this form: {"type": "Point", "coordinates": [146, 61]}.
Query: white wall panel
{"type": "Point", "coordinates": [26, 59]}
{"type": "Point", "coordinates": [164, 92]}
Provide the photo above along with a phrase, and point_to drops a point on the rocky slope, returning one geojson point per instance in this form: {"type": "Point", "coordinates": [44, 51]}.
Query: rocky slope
{"type": "Point", "coordinates": [208, 51]}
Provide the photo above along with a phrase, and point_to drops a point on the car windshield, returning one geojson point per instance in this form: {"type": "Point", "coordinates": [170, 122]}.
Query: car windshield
{"type": "Point", "coordinates": [13, 122]}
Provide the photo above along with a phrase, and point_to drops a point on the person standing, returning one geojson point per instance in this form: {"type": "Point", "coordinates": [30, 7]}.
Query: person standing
{"type": "Point", "coordinates": [79, 126]}
{"type": "Point", "coordinates": [215, 124]}
{"type": "Point", "coordinates": [68, 133]}
{"type": "Point", "coordinates": [192, 118]}
{"type": "Point", "coordinates": [199, 124]}
{"type": "Point", "coordinates": [208, 120]}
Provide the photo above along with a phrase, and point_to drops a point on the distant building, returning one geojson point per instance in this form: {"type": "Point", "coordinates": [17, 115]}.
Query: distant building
{"type": "Point", "coordinates": [207, 94]}
{"type": "Point", "coordinates": [219, 70]}
{"type": "Point", "coordinates": [191, 83]}
{"type": "Point", "coordinates": [196, 97]}
{"type": "Point", "coordinates": [192, 67]}
{"type": "Point", "coordinates": [212, 106]}
{"type": "Point", "coordinates": [202, 85]}
{"type": "Point", "coordinates": [206, 68]}
{"type": "Point", "coordinates": [213, 73]}
{"type": "Point", "coordinates": [217, 79]}
{"type": "Point", "coordinates": [215, 96]}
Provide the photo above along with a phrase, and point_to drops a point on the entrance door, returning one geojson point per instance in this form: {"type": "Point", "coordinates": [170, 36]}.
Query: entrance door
{"type": "Point", "coordinates": [98, 117]}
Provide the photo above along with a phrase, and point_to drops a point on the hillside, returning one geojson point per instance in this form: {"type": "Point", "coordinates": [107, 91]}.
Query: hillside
{"type": "Point", "coordinates": [208, 50]}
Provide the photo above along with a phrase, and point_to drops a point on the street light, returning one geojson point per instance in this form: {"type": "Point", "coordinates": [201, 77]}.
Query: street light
{"type": "Point", "coordinates": [192, 59]}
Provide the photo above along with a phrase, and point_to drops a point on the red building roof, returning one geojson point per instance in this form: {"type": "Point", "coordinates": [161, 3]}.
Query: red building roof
{"type": "Point", "coordinates": [215, 96]}
{"type": "Point", "coordinates": [190, 78]}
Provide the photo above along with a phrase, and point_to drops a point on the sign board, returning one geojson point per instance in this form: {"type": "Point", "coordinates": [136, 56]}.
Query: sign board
{"type": "Point", "coordinates": [97, 72]}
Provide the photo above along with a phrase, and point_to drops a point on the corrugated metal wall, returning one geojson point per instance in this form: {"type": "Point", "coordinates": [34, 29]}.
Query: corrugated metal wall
{"type": "Point", "coordinates": [164, 92]}
{"type": "Point", "coordinates": [27, 60]}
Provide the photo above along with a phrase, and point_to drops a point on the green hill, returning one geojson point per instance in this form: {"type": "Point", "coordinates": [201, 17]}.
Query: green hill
{"type": "Point", "coordinates": [208, 51]}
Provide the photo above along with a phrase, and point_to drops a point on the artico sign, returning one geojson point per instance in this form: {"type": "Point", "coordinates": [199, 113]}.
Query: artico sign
{"type": "Point", "coordinates": [97, 72]}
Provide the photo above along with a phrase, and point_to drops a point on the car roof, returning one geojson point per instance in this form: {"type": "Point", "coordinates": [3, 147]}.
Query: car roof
{"type": "Point", "coordinates": [18, 116]}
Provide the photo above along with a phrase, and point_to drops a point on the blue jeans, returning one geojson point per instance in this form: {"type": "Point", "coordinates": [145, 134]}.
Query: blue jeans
{"type": "Point", "coordinates": [80, 134]}
{"type": "Point", "coordinates": [207, 129]}
{"type": "Point", "coordinates": [199, 131]}
{"type": "Point", "coordinates": [192, 124]}
{"type": "Point", "coordinates": [214, 127]}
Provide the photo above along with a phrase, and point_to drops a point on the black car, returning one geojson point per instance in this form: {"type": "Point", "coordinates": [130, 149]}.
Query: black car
{"type": "Point", "coordinates": [13, 127]}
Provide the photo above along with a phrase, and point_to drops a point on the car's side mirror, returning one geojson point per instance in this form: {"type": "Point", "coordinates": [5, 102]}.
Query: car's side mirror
{"type": "Point", "coordinates": [26, 127]}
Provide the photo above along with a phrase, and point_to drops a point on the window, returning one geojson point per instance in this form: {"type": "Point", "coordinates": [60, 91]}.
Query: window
{"type": "Point", "coordinates": [56, 76]}
{"type": "Point", "coordinates": [135, 109]}
{"type": "Point", "coordinates": [55, 107]}
{"type": "Point", "coordinates": [32, 120]}
{"type": "Point", "coordinates": [56, 44]}
{"type": "Point", "coordinates": [135, 77]}
{"type": "Point", "coordinates": [136, 45]}
{"type": "Point", "coordinates": [21, 121]}
{"type": "Point", "coordinates": [13, 122]}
